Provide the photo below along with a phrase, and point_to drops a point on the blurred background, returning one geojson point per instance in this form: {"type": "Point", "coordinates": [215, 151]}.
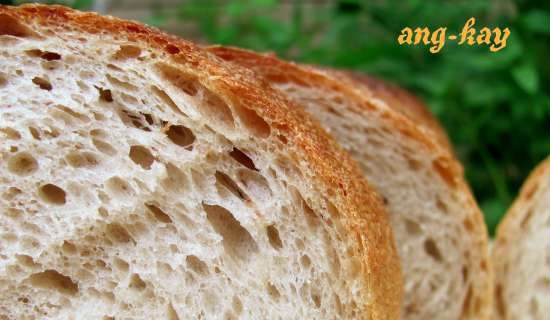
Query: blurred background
{"type": "Point", "coordinates": [495, 106]}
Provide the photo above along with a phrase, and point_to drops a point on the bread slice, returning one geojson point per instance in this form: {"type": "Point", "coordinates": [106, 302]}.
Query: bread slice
{"type": "Point", "coordinates": [521, 252]}
{"type": "Point", "coordinates": [440, 232]}
{"type": "Point", "coordinates": [144, 178]}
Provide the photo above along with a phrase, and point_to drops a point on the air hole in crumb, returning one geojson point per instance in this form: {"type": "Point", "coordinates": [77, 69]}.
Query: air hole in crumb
{"type": "Point", "coordinates": [127, 52]}
{"type": "Point", "coordinates": [412, 227]}
{"type": "Point", "coordinates": [242, 158]}
{"type": "Point", "coordinates": [13, 213]}
{"type": "Point", "coordinates": [68, 248]}
{"type": "Point", "coordinates": [118, 234]}
{"type": "Point", "coordinates": [52, 194]}
{"type": "Point", "coordinates": [468, 224]}
{"type": "Point", "coordinates": [3, 80]}
{"type": "Point", "coordinates": [119, 187]}
{"type": "Point", "coordinates": [196, 264]}
{"type": "Point", "coordinates": [253, 122]}
{"type": "Point", "coordinates": [180, 135]}
{"type": "Point", "coordinates": [67, 114]}
{"type": "Point", "coordinates": [22, 164]}
{"type": "Point", "coordinates": [175, 180]}
{"type": "Point", "coordinates": [305, 261]}
{"type": "Point", "coordinates": [42, 83]}
{"type": "Point", "coordinates": [102, 211]}
{"type": "Point", "coordinates": [316, 300]}
{"type": "Point", "coordinates": [84, 159]}
{"type": "Point", "coordinates": [35, 133]}
{"type": "Point", "coordinates": [121, 84]}
{"type": "Point", "coordinates": [140, 155]}
{"type": "Point", "coordinates": [187, 82]}
{"type": "Point", "coordinates": [223, 179]}
{"type": "Point", "coordinates": [256, 185]}
{"type": "Point", "coordinates": [121, 265]}
{"type": "Point", "coordinates": [215, 107]}
{"type": "Point", "coordinates": [46, 55]}
{"type": "Point", "coordinates": [104, 147]}
{"type": "Point", "coordinates": [53, 280]}
{"type": "Point", "coordinates": [11, 193]}
{"type": "Point", "coordinates": [166, 99]}
{"type": "Point", "coordinates": [137, 120]}
{"type": "Point", "coordinates": [158, 213]}
{"type": "Point", "coordinates": [105, 95]}
{"type": "Point", "coordinates": [11, 133]}
{"type": "Point", "coordinates": [311, 217]}
{"type": "Point", "coordinates": [432, 250]}
{"type": "Point", "coordinates": [282, 138]}
{"type": "Point", "coordinates": [273, 291]}
{"type": "Point", "coordinates": [26, 261]}
{"type": "Point", "coordinates": [171, 312]}
{"type": "Point", "coordinates": [13, 27]}
{"type": "Point", "coordinates": [137, 283]}
{"type": "Point", "coordinates": [274, 239]}
{"type": "Point", "coordinates": [237, 241]}
{"type": "Point", "coordinates": [441, 205]}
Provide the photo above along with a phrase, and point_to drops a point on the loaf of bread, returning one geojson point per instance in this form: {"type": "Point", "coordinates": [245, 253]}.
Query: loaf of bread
{"type": "Point", "coordinates": [521, 252]}
{"type": "Point", "coordinates": [439, 230]}
{"type": "Point", "coordinates": [144, 178]}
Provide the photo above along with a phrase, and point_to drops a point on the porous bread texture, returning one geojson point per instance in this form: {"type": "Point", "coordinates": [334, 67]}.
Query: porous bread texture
{"type": "Point", "coordinates": [399, 100]}
{"type": "Point", "coordinates": [521, 253]}
{"type": "Point", "coordinates": [144, 178]}
{"type": "Point", "coordinates": [439, 230]}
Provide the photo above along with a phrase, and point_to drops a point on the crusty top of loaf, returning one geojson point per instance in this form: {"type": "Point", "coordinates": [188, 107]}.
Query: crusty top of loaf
{"type": "Point", "coordinates": [333, 172]}
{"type": "Point", "coordinates": [508, 223]}
{"type": "Point", "coordinates": [446, 165]}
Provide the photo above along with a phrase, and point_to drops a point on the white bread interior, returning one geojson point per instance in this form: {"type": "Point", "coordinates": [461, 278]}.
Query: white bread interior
{"type": "Point", "coordinates": [131, 187]}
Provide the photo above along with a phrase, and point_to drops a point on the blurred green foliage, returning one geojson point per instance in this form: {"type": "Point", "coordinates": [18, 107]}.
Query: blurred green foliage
{"type": "Point", "coordinates": [76, 4]}
{"type": "Point", "coordinates": [495, 106]}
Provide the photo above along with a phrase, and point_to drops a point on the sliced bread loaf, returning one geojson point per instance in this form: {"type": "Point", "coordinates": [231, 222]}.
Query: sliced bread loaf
{"type": "Point", "coordinates": [144, 178]}
{"type": "Point", "coordinates": [440, 232]}
{"type": "Point", "coordinates": [521, 252]}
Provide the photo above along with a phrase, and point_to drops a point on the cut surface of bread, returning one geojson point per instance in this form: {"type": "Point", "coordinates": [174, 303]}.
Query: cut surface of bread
{"type": "Point", "coordinates": [439, 230]}
{"type": "Point", "coordinates": [399, 100]}
{"type": "Point", "coordinates": [521, 253]}
{"type": "Point", "coordinates": [144, 178]}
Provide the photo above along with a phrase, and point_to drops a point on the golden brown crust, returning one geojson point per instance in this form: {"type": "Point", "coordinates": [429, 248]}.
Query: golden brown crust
{"type": "Point", "coordinates": [445, 164]}
{"type": "Point", "coordinates": [334, 172]}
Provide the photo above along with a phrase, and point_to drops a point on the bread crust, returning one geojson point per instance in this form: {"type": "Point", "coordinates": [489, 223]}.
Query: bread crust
{"type": "Point", "coordinates": [334, 173]}
{"type": "Point", "coordinates": [276, 70]}
{"type": "Point", "coordinates": [510, 230]}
